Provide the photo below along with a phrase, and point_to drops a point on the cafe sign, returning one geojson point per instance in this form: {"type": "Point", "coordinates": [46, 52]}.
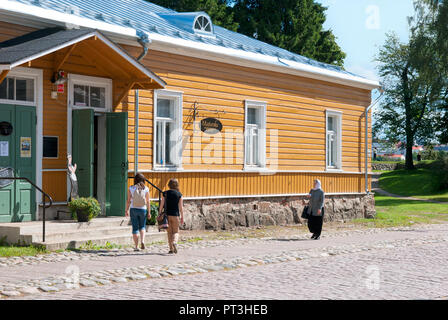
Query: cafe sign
{"type": "Point", "coordinates": [211, 125]}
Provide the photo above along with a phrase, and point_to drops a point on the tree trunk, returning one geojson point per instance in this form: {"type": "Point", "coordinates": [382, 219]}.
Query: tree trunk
{"type": "Point", "coordinates": [409, 160]}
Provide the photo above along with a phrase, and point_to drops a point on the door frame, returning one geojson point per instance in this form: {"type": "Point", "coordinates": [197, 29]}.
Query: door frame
{"type": "Point", "coordinates": [37, 76]}
{"type": "Point", "coordinates": [86, 80]}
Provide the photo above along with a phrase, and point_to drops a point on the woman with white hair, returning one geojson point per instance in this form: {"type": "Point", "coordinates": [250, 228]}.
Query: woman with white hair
{"type": "Point", "coordinates": [316, 210]}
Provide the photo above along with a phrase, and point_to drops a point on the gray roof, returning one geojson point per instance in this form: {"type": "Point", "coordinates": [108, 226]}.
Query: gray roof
{"type": "Point", "coordinates": [145, 16]}
{"type": "Point", "coordinates": [31, 44]}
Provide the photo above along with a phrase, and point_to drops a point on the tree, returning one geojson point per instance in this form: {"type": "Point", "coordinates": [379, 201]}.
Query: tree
{"type": "Point", "coordinates": [412, 93]}
{"type": "Point", "coordinates": [294, 25]}
{"type": "Point", "coordinates": [218, 10]}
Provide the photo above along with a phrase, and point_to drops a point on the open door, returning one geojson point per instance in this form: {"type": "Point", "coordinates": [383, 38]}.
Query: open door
{"type": "Point", "coordinates": [116, 163]}
{"type": "Point", "coordinates": [82, 149]}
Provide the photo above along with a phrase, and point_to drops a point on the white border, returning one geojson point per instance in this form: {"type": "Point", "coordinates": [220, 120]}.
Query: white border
{"type": "Point", "coordinates": [260, 105]}
{"type": "Point", "coordinates": [338, 115]}
{"type": "Point", "coordinates": [178, 97]}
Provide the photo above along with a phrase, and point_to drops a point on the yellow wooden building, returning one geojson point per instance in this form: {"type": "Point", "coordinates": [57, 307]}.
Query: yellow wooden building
{"type": "Point", "coordinates": [138, 87]}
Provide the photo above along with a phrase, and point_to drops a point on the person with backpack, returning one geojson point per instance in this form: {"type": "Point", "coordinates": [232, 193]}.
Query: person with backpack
{"type": "Point", "coordinates": [138, 202]}
{"type": "Point", "coordinates": [172, 203]}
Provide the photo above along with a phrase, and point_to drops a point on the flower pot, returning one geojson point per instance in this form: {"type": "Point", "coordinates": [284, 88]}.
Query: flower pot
{"type": "Point", "coordinates": [82, 216]}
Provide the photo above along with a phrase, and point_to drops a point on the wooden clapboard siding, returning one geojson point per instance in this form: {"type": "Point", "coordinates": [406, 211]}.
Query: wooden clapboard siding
{"type": "Point", "coordinates": [215, 184]}
{"type": "Point", "coordinates": [295, 107]}
{"type": "Point", "coordinates": [10, 31]}
{"type": "Point", "coordinates": [54, 183]}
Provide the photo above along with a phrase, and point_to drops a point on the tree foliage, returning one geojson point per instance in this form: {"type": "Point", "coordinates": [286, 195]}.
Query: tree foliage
{"type": "Point", "coordinates": [294, 25]}
{"type": "Point", "coordinates": [415, 93]}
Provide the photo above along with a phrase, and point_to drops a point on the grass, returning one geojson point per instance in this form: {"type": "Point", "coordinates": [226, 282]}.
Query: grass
{"type": "Point", "coordinates": [19, 251]}
{"type": "Point", "coordinates": [395, 212]}
{"type": "Point", "coordinates": [420, 183]}
{"type": "Point", "coordinates": [91, 246]}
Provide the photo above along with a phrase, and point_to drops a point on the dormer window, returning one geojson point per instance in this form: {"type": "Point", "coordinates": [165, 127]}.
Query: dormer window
{"type": "Point", "coordinates": [202, 24]}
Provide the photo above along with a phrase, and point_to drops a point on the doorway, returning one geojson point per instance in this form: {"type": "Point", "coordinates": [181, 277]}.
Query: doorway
{"type": "Point", "coordinates": [99, 147]}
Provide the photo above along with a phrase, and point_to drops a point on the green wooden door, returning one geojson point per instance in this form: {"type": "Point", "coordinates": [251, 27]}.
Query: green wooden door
{"type": "Point", "coordinates": [25, 163]}
{"type": "Point", "coordinates": [7, 160]}
{"type": "Point", "coordinates": [82, 149]}
{"type": "Point", "coordinates": [116, 163]}
{"type": "Point", "coordinates": [18, 151]}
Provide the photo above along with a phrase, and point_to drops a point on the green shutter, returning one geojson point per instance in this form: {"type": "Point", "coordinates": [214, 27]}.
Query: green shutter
{"type": "Point", "coordinates": [116, 163]}
{"type": "Point", "coordinates": [82, 149]}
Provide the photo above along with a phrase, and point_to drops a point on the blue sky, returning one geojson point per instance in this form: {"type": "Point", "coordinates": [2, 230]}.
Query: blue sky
{"type": "Point", "coordinates": [360, 27]}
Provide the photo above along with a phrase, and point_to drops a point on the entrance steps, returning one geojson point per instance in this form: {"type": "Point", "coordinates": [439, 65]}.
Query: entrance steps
{"type": "Point", "coordinates": [70, 234]}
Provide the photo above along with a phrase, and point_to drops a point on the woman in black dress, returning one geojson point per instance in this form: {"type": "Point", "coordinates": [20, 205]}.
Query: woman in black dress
{"type": "Point", "coordinates": [316, 210]}
{"type": "Point", "coordinates": [174, 211]}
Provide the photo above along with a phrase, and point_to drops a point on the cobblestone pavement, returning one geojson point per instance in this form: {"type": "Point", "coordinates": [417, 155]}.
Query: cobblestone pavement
{"type": "Point", "coordinates": [395, 261]}
{"type": "Point", "coordinates": [388, 273]}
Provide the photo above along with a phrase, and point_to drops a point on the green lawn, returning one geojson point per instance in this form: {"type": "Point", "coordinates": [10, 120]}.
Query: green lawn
{"type": "Point", "coordinates": [15, 251]}
{"type": "Point", "coordinates": [420, 183]}
{"type": "Point", "coordinates": [393, 212]}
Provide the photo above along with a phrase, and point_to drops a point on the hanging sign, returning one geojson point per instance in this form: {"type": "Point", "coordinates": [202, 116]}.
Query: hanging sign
{"type": "Point", "coordinates": [25, 147]}
{"type": "Point", "coordinates": [4, 148]}
{"type": "Point", "coordinates": [211, 125]}
{"type": "Point", "coordinates": [60, 88]}
{"type": "Point", "coordinates": [5, 128]}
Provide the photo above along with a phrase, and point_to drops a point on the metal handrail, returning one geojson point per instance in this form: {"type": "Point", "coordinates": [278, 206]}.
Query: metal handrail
{"type": "Point", "coordinates": [44, 194]}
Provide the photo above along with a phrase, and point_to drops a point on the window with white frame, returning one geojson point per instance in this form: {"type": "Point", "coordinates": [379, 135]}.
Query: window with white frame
{"type": "Point", "coordinates": [90, 92]}
{"type": "Point", "coordinates": [17, 89]}
{"type": "Point", "coordinates": [333, 140]}
{"type": "Point", "coordinates": [255, 135]}
{"type": "Point", "coordinates": [167, 129]}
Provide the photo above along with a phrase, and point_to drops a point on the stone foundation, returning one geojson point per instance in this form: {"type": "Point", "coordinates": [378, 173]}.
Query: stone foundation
{"type": "Point", "coordinates": [227, 214]}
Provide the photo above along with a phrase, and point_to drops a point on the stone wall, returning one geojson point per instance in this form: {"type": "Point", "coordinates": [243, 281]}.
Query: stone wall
{"type": "Point", "coordinates": [227, 214]}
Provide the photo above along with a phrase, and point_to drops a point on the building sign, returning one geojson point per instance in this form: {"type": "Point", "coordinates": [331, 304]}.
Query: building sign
{"type": "Point", "coordinates": [4, 148]}
{"type": "Point", "coordinates": [60, 88]}
{"type": "Point", "coordinates": [25, 147]}
{"type": "Point", "coordinates": [211, 125]}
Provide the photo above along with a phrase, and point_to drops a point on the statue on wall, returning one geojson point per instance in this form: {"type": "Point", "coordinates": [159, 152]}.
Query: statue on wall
{"type": "Point", "coordinates": [73, 179]}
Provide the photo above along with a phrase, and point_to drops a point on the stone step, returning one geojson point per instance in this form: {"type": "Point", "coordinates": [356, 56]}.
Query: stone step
{"type": "Point", "coordinates": [124, 239]}
{"type": "Point", "coordinates": [88, 232]}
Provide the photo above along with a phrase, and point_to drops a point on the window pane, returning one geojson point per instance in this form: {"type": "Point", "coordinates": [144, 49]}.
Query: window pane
{"type": "Point", "coordinates": [3, 89]}
{"type": "Point", "coordinates": [168, 142]}
{"type": "Point", "coordinates": [165, 108]}
{"type": "Point", "coordinates": [97, 97]}
{"type": "Point", "coordinates": [50, 147]}
{"type": "Point", "coordinates": [252, 116]}
{"type": "Point", "coordinates": [11, 88]}
{"type": "Point", "coordinates": [80, 95]}
{"type": "Point", "coordinates": [255, 148]}
{"type": "Point", "coordinates": [25, 89]}
{"type": "Point", "coordinates": [330, 123]}
{"type": "Point", "coordinates": [159, 144]}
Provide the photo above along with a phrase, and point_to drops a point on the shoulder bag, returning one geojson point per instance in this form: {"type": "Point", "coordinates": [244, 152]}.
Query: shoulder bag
{"type": "Point", "coordinates": [162, 218]}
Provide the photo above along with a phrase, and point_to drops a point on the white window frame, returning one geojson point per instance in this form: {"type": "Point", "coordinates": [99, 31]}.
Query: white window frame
{"type": "Point", "coordinates": [177, 97]}
{"type": "Point", "coordinates": [22, 75]}
{"type": "Point", "coordinates": [76, 79]}
{"type": "Point", "coordinates": [337, 115]}
{"type": "Point", "coordinates": [47, 136]}
{"type": "Point", "coordinates": [261, 106]}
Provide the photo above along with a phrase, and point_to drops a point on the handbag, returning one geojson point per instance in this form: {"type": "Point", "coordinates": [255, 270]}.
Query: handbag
{"type": "Point", "coordinates": [305, 213]}
{"type": "Point", "coordinates": [162, 218]}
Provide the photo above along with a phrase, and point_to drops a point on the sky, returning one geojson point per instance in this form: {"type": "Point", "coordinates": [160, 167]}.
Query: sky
{"type": "Point", "coordinates": [360, 27]}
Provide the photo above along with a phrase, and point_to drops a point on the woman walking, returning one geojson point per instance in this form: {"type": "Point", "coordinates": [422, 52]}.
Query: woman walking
{"type": "Point", "coordinates": [316, 210]}
{"type": "Point", "coordinates": [174, 207]}
{"type": "Point", "coordinates": [138, 202]}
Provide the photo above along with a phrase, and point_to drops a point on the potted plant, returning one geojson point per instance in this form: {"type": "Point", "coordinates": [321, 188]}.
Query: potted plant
{"type": "Point", "coordinates": [154, 210]}
{"type": "Point", "coordinates": [84, 209]}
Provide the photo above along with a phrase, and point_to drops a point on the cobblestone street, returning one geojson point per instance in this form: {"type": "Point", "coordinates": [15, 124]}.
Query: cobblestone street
{"type": "Point", "coordinates": [398, 263]}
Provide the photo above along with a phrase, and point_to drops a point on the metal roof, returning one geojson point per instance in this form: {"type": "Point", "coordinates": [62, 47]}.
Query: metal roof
{"type": "Point", "coordinates": [148, 17]}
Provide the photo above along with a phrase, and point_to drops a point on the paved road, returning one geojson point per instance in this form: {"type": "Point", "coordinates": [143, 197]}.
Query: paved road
{"type": "Point", "coordinates": [417, 271]}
